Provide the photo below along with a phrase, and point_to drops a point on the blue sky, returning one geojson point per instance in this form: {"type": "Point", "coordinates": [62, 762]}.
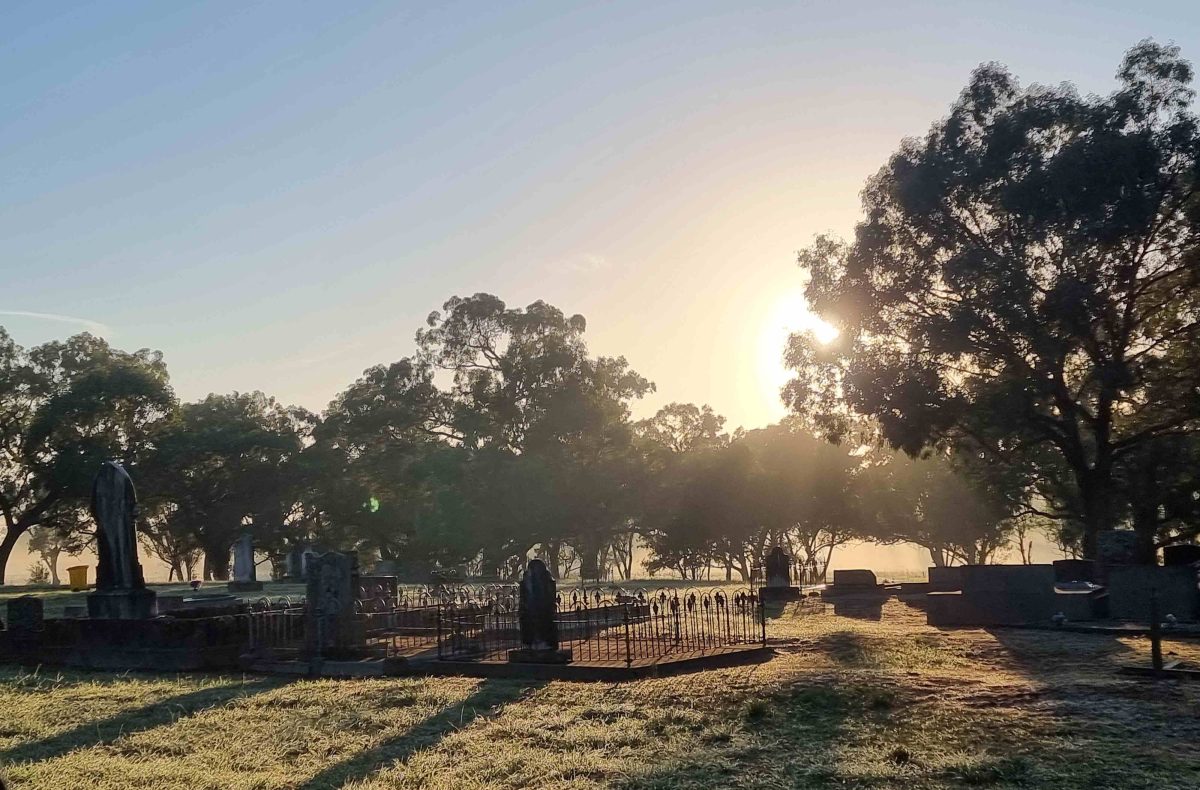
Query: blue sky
{"type": "Point", "coordinates": [276, 194]}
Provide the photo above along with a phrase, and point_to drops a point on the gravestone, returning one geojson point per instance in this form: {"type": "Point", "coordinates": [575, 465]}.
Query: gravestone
{"type": "Point", "coordinates": [1129, 588]}
{"type": "Point", "coordinates": [1117, 547]}
{"type": "Point", "coordinates": [778, 567]}
{"type": "Point", "coordinates": [996, 595]}
{"type": "Point", "coordinates": [855, 580]}
{"type": "Point", "coordinates": [245, 572]}
{"type": "Point", "coordinates": [537, 610]}
{"type": "Point", "coordinates": [1181, 554]}
{"type": "Point", "coordinates": [120, 592]}
{"type": "Point", "coordinates": [945, 578]}
{"type": "Point", "coordinates": [331, 627]}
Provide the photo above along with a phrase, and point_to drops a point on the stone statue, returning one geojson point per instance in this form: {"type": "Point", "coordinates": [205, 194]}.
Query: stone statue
{"type": "Point", "coordinates": [114, 508]}
{"type": "Point", "coordinates": [537, 608]}
{"type": "Point", "coordinates": [121, 591]}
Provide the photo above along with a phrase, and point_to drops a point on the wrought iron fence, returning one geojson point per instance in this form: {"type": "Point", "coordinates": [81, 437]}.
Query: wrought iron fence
{"type": "Point", "coordinates": [804, 574]}
{"type": "Point", "coordinates": [607, 625]}
{"type": "Point", "coordinates": [275, 625]}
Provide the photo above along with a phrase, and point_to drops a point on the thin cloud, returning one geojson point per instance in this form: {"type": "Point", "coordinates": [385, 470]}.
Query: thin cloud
{"type": "Point", "coordinates": [587, 264]}
{"type": "Point", "coordinates": [95, 327]}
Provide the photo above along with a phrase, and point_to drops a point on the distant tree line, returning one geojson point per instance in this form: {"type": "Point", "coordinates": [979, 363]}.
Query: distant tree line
{"type": "Point", "coordinates": [500, 438]}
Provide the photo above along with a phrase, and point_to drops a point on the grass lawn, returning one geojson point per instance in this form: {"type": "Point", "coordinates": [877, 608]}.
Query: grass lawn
{"type": "Point", "coordinates": [845, 703]}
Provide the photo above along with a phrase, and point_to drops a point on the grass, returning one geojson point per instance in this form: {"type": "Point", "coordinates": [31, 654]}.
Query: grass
{"type": "Point", "coordinates": [846, 703]}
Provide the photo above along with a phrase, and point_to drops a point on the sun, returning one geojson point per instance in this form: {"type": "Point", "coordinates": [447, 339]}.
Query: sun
{"type": "Point", "coordinates": [787, 315]}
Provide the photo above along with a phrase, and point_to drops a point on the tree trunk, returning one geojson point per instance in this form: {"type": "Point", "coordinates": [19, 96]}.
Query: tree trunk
{"type": "Point", "coordinates": [1095, 488]}
{"type": "Point", "coordinates": [52, 561]}
{"type": "Point", "coordinates": [216, 565]}
{"type": "Point", "coordinates": [6, 549]}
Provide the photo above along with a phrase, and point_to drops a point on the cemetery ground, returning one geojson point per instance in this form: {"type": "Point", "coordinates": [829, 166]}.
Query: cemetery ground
{"type": "Point", "coordinates": [845, 702]}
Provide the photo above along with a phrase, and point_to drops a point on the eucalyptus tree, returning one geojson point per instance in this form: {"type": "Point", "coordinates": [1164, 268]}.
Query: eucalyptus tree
{"type": "Point", "coordinates": [1024, 280]}
{"type": "Point", "coordinates": [937, 502]}
{"type": "Point", "coordinates": [524, 392]}
{"type": "Point", "coordinates": [224, 465]}
{"type": "Point", "coordinates": [66, 406]}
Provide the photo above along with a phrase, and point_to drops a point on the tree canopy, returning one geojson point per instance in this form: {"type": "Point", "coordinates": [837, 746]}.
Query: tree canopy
{"type": "Point", "coordinates": [1024, 282]}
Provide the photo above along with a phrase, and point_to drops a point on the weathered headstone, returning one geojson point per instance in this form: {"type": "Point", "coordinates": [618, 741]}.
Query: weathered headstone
{"type": "Point", "coordinates": [1181, 554]}
{"type": "Point", "coordinates": [120, 586]}
{"type": "Point", "coordinates": [537, 610]}
{"type": "Point", "coordinates": [855, 580]}
{"type": "Point", "coordinates": [245, 572]}
{"type": "Point", "coordinates": [331, 625]}
{"type": "Point", "coordinates": [1118, 547]}
{"type": "Point", "coordinates": [778, 572]}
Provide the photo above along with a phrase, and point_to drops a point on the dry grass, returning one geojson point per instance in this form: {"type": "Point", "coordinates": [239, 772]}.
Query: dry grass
{"type": "Point", "coordinates": [845, 703]}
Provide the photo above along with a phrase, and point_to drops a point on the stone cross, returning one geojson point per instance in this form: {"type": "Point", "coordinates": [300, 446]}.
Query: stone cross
{"type": "Point", "coordinates": [114, 508]}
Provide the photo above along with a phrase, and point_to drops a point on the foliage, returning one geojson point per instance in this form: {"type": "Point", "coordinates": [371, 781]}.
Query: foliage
{"type": "Point", "coordinates": [1024, 279]}
{"type": "Point", "coordinates": [220, 467]}
{"type": "Point", "coordinates": [64, 408]}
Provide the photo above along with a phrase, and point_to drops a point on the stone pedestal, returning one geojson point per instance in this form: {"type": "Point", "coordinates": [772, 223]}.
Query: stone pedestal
{"type": "Point", "coordinates": [531, 655]}
{"type": "Point", "coordinates": [121, 604]}
{"type": "Point", "coordinates": [780, 593]}
{"type": "Point", "coordinates": [245, 586]}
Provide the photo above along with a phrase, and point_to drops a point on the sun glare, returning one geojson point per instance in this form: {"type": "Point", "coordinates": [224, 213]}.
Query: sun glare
{"type": "Point", "coordinates": [788, 315]}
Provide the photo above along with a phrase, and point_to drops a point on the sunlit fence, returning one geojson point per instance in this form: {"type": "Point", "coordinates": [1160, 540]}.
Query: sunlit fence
{"type": "Point", "coordinates": [607, 625]}
{"type": "Point", "coordinates": [482, 623]}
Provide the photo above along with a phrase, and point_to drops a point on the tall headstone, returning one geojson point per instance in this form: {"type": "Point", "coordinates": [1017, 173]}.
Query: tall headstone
{"type": "Point", "coordinates": [245, 572]}
{"type": "Point", "coordinates": [120, 586]}
{"type": "Point", "coordinates": [331, 627]}
{"type": "Point", "coordinates": [538, 607]}
{"type": "Point", "coordinates": [778, 570]}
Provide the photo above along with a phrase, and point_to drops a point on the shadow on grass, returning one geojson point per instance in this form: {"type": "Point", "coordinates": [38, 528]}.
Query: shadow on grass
{"type": "Point", "coordinates": [1041, 653]}
{"type": "Point", "coordinates": [147, 717]}
{"type": "Point", "coordinates": [847, 648]}
{"type": "Point", "coordinates": [484, 702]}
{"type": "Point", "coordinates": [805, 723]}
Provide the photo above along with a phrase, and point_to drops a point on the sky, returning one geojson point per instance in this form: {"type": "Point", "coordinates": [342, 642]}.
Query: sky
{"type": "Point", "coordinates": [276, 194]}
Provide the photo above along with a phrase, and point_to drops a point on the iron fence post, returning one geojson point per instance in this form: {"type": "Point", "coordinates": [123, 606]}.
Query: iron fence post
{"type": "Point", "coordinates": [628, 653]}
{"type": "Point", "coordinates": [439, 630]}
{"type": "Point", "coordinates": [762, 617]}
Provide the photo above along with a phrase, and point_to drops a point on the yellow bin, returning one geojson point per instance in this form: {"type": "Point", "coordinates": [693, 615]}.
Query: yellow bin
{"type": "Point", "coordinates": [78, 576]}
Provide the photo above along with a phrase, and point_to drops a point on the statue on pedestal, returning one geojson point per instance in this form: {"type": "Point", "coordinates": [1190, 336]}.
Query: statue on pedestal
{"type": "Point", "coordinates": [120, 586]}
